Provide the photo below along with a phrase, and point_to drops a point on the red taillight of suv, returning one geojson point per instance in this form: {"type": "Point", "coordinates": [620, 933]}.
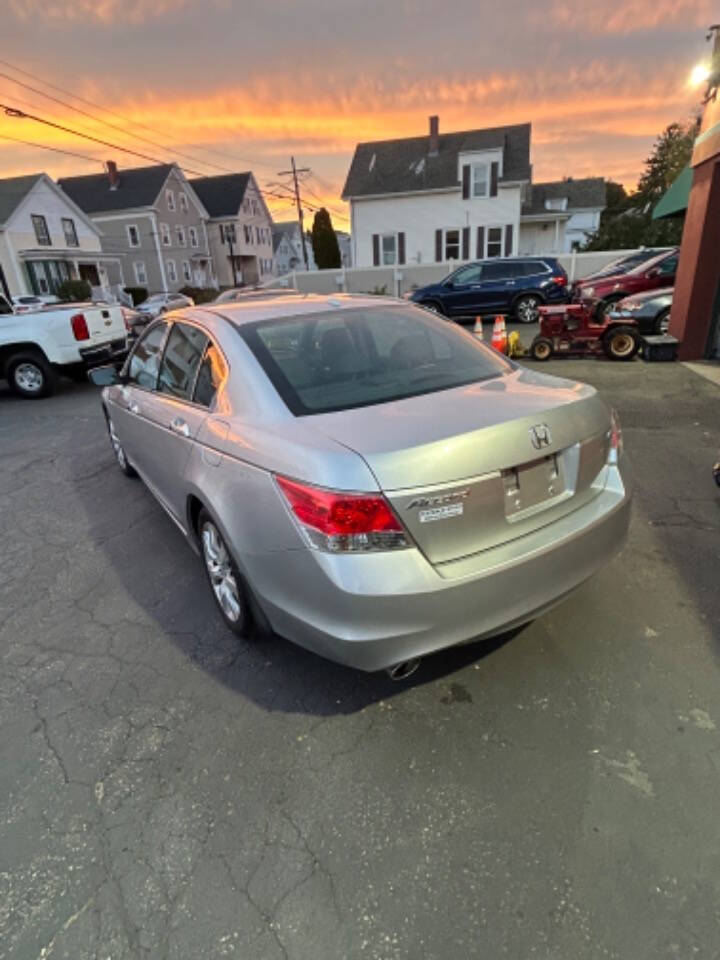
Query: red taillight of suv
{"type": "Point", "coordinates": [340, 522]}
{"type": "Point", "coordinates": [559, 280]}
{"type": "Point", "coordinates": [79, 326]}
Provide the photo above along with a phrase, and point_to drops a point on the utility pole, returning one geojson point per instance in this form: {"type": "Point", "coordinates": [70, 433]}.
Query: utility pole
{"type": "Point", "coordinates": [294, 172]}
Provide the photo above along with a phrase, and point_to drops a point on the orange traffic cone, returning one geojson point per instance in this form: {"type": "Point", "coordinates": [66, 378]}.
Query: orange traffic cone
{"type": "Point", "coordinates": [499, 337]}
{"type": "Point", "coordinates": [477, 329]}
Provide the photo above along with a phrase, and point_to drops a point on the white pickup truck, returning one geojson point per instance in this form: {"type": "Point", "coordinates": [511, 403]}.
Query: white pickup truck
{"type": "Point", "coordinates": [38, 347]}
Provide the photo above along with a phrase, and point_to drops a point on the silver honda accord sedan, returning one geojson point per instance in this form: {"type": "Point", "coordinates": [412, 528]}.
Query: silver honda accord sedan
{"type": "Point", "coordinates": [365, 478]}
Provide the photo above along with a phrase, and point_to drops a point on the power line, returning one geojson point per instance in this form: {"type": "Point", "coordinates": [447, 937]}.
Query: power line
{"type": "Point", "coordinates": [42, 146]}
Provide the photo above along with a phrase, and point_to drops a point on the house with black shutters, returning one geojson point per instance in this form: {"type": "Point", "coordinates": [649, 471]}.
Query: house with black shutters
{"type": "Point", "coordinates": [440, 197]}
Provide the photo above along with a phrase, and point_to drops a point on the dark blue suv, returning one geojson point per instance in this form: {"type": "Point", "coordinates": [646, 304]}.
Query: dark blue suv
{"type": "Point", "coordinates": [514, 286]}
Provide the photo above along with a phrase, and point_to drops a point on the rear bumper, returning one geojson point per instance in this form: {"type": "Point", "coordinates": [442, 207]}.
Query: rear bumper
{"type": "Point", "coordinates": [373, 611]}
{"type": "Point", "coordinates": [97, 355]}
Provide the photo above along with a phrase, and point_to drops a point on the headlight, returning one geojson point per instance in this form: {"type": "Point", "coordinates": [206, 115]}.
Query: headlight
{"type": "Point", "coordinates": [587, 291]}
{"type": "Point", "coordinates": [629, 306]}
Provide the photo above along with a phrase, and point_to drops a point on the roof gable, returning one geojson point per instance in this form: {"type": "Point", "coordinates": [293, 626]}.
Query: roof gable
{"type": "Point", "coordinates": [406, 166]}
{"type": "Point", "coordinates": [581, 194]}
{"type": "Point", "coordinates": [222, 196]}
{"type": "Point", "coordinates": [137, 187]}
{"type": "Point", "coordinates": [13, 191]}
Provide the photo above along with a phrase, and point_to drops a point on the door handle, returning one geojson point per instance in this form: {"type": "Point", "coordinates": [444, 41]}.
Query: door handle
{"type": "Point", "coordinates": [178, 425]}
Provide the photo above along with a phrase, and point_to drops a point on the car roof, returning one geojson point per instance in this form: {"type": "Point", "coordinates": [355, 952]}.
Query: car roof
{"type": "Point", "coordinates": [648, 264]}
{"type": "Point", "coordinates": [240, 312]}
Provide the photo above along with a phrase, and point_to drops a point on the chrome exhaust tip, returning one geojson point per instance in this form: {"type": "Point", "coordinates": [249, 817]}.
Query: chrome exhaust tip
{"type": "Point", "coordinates": [404, 669]}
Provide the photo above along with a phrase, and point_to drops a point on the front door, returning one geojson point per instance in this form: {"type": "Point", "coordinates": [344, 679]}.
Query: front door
{"type": "Point", "coordinates": [498, 285]}
{"type": "Point", "coordinates": [462, 296]}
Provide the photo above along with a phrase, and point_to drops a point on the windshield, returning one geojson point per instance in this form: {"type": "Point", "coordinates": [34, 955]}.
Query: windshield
{"type": "Point", "coordinates": [357, 358]}
{"type": "Point", "coordinates": [652, 262]}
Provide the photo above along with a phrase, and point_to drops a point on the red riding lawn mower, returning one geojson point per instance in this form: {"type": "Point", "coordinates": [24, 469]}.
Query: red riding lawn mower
{"type": "Point", "coordinates": [574, 330]}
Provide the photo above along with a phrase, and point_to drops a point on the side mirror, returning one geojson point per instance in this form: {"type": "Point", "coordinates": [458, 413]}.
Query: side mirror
{"type": "Point", "coordinates": [106, 376]}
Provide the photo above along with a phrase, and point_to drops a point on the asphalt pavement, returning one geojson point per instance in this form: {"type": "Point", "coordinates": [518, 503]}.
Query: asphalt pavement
{"type": "Point", "coordinates": [168, 792]}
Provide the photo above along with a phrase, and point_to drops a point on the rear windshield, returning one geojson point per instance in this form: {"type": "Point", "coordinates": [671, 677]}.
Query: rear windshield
{"type": "Point", "coordinates": [355, 358]}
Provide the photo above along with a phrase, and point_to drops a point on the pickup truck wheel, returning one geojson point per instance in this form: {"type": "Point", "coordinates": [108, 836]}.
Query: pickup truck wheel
{"type": "Point", "coordinates": [118, 449]}
{"type": "Point", "coordinates": [31, 376]}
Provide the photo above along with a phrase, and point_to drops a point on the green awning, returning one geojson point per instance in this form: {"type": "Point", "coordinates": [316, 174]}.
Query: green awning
{"type": "Point", "coordinates": [675, 200]}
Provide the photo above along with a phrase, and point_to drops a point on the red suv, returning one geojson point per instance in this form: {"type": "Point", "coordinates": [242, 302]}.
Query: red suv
{"type": "Point", "coordinates": [653, 274]}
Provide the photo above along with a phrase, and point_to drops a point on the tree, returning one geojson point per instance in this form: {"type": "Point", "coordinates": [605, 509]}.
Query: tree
{"type": "Point", "coordinates": [324, 242]}
{"type": "Point", "coordinates": [627, 219]}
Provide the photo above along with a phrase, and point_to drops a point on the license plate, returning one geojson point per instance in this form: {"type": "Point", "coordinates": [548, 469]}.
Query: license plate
{"type": "Point", "coordinates": [533, 486]}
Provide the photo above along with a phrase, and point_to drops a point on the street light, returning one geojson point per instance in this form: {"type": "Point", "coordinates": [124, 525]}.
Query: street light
{"type": "Point", "coordinates": [700, 75]}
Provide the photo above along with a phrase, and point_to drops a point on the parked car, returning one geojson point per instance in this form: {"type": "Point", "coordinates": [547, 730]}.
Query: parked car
{"type": "Point", "coordinates": [515, 286]}
{"type": "Point", "coordinates": [38, 346]}
{"type": "Point", "coordinates": [364, 478]}
{"type": "Point", "coordinates": [650, 310]}
{"type": "Point", "coordinates": [162, 302]}
{"type": "Point", "coordinates": [26, 302]}
{"type": "Point", "coordinates": [623, 264]}
{"type": "Point", "coordinates": [135, 323]}
{"type": "Point", "coordinates": [654, 274]}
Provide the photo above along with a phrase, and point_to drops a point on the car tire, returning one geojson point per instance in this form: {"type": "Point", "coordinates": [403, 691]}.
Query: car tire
{"type": "Point", "coordinates": [30, 375]}
{"type": "Point", "coordinates": [120, 456]}
{"type": "Point", "coordinates": [434, 306]}
{"type": "Point", "coordinates": [226, 582]}
{"type": "Point", "coordinates": [525, 309]}
{"type": "Point", "coordinates": [662, 320]}
{"type": "Point", "coordinates": [541, 348]}
{"type": "Point", "coordinates": [621, 343]}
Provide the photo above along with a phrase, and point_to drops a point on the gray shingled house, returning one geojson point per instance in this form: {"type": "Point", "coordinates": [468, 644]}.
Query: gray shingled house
{"type": "Point", "coordinates": [152, 221]}
{"type": "Point", "coordinates": [560, 216]}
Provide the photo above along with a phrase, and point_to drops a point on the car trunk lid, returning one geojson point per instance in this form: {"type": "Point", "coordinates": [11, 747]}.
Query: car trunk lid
{"type": "Point", "coordinates": [473, 467]}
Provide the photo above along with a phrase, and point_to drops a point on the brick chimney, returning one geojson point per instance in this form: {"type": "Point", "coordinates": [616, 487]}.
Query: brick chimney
{"type": "Point", "coordinates": [113, 175]}
{"type": "Point", "coordinates": [434, 134]}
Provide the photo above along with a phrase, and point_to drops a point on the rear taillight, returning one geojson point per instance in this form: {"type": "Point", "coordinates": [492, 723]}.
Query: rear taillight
{"type": "Point", "coordinates": [616, 438]}
{"type": "Point", "coordinates": [80, 327]}
{"type": "Point", "coordinates": [559, 280]}
{"type": "Point", "coordinates": [341, 522]}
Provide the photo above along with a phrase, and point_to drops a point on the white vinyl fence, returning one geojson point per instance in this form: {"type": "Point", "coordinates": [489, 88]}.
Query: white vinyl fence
{"type": "Point", "coordinates": [397, 280]}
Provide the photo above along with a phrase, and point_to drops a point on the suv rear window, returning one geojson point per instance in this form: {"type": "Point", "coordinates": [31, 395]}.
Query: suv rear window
{"type": "Point", "coordinates": [357, 358]}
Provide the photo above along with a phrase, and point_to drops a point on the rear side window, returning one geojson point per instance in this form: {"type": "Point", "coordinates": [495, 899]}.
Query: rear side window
{"type": "Point", "coordinates": [210, 375]}
{"type": "Point", "coordinates": [181, 360]}
{"type": "Point", "coordinates": [145, 359]}
{"type": "Point", "coordinates": [498, 271]}
{"type": "Point", "coordinates": [361, 357]}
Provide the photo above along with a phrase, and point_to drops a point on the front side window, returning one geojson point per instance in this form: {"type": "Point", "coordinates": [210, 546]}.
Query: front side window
{"type": "Point", "coordinates": [185, 347]}
{"type": "Point", "coordinates": [210, 375]}
{"type": "Point", "coordinates": [452, 244]}
{"type": "Point", "coordinates": [42, 234]}
{"type": "Point", "coordinates": [170, 198]}
{"type": "Point", "coordinates": [145, 358]}
{"type": "Point", "coordinates": [140, 273]}
{"type": "Point", "coordinates": [388, 249]}
{"type": "Point", "coordinates": [171, 271]}
{"type": "Point", "coordinates": [165, 234]}
{"type": "Point", "coordinates": [71, 237]}
{"type": "Point", "coordinates": [133, 235]}
{"type": "Point", "coordinates": [192, 231]}
{"type": "Point", "coordinates": [494, 242]}
{"type": "Point", "coordinates": [366, 356]}
{"type": "Point", "coordinates": [471, 274]}
{"type": "Point", "coordinates": [481, 179]}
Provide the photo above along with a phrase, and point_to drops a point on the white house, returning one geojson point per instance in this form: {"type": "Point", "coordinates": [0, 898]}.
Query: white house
{"type": "Point", "coordinates": [560, 216]}
{"type": "Point", "coordinates": [452, 196]}
{"type": "Point", "coordinates": [288, 248]}
{"type": "Point", "coordinates": [45, 238]}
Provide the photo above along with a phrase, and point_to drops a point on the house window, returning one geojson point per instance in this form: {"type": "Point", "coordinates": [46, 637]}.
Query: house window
{"type": "Point", "coordinates": [71, 237]}
{"type": "Point", "coordinates": [181, 236]}
{"type": "Point", "coordinates": [171, 271]}
{"type": "Point", "coordinates": [248, 233]}
{"type": "Point", "coordinates": [192, 231]}
{"type": "Point", "coordinates": [452, 244]}
{"type": "Point", "coordinates": [42, 234]}
{"type": "Point", "coordinates": [187, 273]}
{"type": "Point", "coordinates": [494, 242]}
{"type": "Point", "coordinates": [230, 232]}
{"type": "Point", "coordinates": [165, 234]}
{"type": "Point", "coordinates": [388, 249]}
{"type": "Point", "coordinates": [133, 235]}
{"type": "Point", "coordinates": [140, 273]}
{"type": "Point", "coordinates": [170, 199]}
{"type": "Point", "coordinates": [183, 202]}
{"type": "Point", "coordinates": [481, 179]}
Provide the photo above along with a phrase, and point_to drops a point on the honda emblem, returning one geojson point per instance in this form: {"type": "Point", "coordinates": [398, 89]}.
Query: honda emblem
{"type": "Point", "coordinates": [540, 436]}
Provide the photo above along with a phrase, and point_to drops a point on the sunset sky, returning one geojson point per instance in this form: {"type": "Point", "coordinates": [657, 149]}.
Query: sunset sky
{"type": "Point", "coordinates": [242, 85]}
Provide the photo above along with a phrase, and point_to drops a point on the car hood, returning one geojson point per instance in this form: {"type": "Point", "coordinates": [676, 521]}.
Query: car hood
{"type": "Point", "coordinates": [452, 434]}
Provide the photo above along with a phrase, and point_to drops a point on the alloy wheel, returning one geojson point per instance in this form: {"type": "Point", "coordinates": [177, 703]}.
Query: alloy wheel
{"type": "Point", "coordinates": [527, 310]}
{"type": "Point", "coordinates": [29, 377]}
{"type": "Point", "coordinates": [220, 571]}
